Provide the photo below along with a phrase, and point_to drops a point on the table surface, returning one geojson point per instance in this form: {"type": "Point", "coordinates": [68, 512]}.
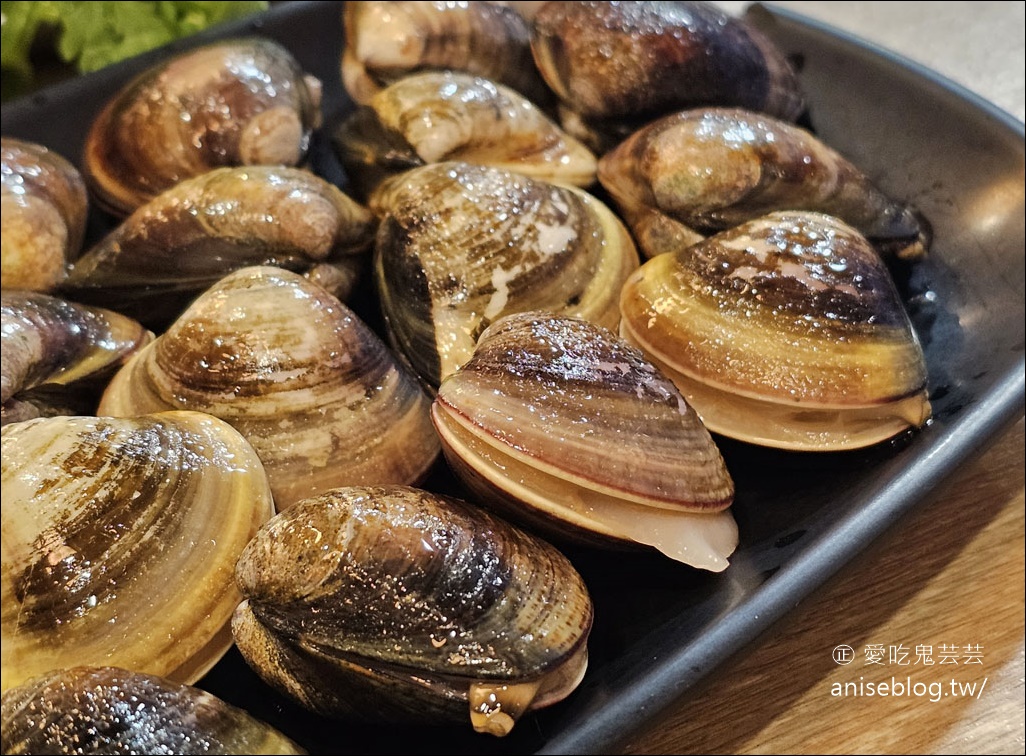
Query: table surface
{"type": "Point", "coordinates": [926, 583]}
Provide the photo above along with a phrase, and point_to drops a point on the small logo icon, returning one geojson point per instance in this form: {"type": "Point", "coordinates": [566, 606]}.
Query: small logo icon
{"type": "Point", "coordinates": [844, 654]}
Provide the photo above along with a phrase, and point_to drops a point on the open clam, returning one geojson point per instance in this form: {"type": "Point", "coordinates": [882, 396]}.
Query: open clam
{"type": "Point", "coordinates": [114, 711]}
{"type": "Point", "coordinates": [436, 116]}
{"type": "Point", "coordinates": [396, 604]}
{"type": "Point", "coordinates": [44, 205]}
{"type": "Point", "coordinates": [235, 102]}
{"type": "Point", "coordinates": [566, 427]}
{"type": "Point", "coordinates": [615, 66]}
{"type": "Point", "coordinates": [705, 170]}
{"type": "Point", "coordinates": [120, 537]}
{"type": "Point", "coordinates": [180, 243]}
{"type": "Point", "coordinates": [461, 245]}
{"type": "Point", "coordinates": [48, 342]}
{"type": "Point", "coordinates": [316, 392]}
{"type": "Point", "coordinates": [385, 41]}
{"type": "Point", "coordinates": [785, 331]}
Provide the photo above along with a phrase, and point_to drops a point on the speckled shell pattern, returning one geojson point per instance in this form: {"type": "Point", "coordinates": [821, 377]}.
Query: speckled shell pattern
{"type": "Point", "coordinates": [612, 62]}
{"type": "Point", "coordinates": [236, 102]}
{"type": "Point", "coordinates": [47, 340]}
{"type": "Point", "coordinates": [110, 710]}
{"type": "Point", "coordinates": [44, 205]}
{"type": "Point", "coordinates": [436, 116]}
{"type": "Point", "coordinates": [202, 229]}
{"type": "Point", "coordinates": [461, 245]}
{"type": "Point", "coordinates": [120, 536]}
{"type": "Point", "coordinates": [410, 593]}
{"type": "Point", "coordinates": [791, 307]}
{"type": "Point", "coordinates": [313, 389]}
{"type": "Point", "coordinates": [385, 41]}
{"type": "Point", "coordinates": [714, 168]}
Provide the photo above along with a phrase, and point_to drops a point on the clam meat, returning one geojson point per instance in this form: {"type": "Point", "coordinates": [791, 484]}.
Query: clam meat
{"type": "Point", "coordinates": [87, 710]}
{"type": "Point", "coordinates": [461, 245]}
{"type": "Point", "coordinates": [567, 428]}
{"type": "Point", "coordinates": [49, 342]}
{"type": "Point", "coordinates": [120, 537]}
{"type": "Point", "coordinates": [395, 604]}
{"type": "Point", "coordinates": [189, 237]}
{"type": "Point", "coordinates": [615, 66]}
{"type": "Point", "coordinates": [314, 390]}
{"type": "Point", "coordinates": [786, 331]}
{"type": "Point", "coordinates": [229, 103]}
{"type": "Point", "coordinates": [702, 171]}
{"type": "Point", "coordinates": [385, 41]}
{"type": "Point", "coordinates": [436, 116]}
{"type": "Point", "coordinates": [44, 205]}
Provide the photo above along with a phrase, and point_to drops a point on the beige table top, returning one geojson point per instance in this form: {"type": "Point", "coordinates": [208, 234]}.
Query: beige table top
{"type": "Point", "coordinates": [928, 582]}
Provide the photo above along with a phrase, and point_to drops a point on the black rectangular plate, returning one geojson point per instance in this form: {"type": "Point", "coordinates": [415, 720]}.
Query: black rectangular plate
{"type": "Point", "coordinates": [661, 626]}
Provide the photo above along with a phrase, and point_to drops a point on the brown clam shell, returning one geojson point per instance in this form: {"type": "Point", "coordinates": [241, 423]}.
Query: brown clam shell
{"type": "Point", "coordinates": [120, 536]}
{"type": "Point", "coordinates": [396, 604]}
{"type": "Point", "coordinates": [234, 102]}
{"type": "Point", "coordinates": [577, 433]}
{"type": "Point", "coordinates": [316, 392]}
{"type": "Point", "coordinates": [784, 331]}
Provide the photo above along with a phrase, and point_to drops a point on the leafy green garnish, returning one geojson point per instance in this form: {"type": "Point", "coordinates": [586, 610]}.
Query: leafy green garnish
{"type": "Point", "coordinates": [91, 35]}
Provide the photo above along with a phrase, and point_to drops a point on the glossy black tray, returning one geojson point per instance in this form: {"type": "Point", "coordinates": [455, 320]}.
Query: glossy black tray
{"type": "Point", "coordinates": [661, 626]}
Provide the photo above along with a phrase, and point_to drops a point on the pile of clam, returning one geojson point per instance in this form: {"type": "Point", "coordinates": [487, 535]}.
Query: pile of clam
{"type": "Point", "coordinates": [591, 236]}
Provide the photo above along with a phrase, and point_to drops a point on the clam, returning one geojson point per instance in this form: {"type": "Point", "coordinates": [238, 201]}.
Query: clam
{"type": "Point", "coordinates": [461, 245]}
{"type": "Point", "coordinates": [702, 171]}
{"type": "Point", "coordinates": [437, 116]}
{"type": "Point", "coordinates": [230, 103]}
{"type": "Point", "coordinates": [110, 710]}
{"type": "Point", "coordinates": [396, 604]}
{"type": "Point", "coordinates": [618, 65]}
{"type": "Point", "coordinates": [189, 237]}
{"type": "Point", "coordinates": [316, 392]}
{"type": "Point", "coordinates": [119, 540]}
{"type": "Point", "coordinates": [50, 342]}
{"type": "Point", "coordinates": [385, 41]}
{"type": "Point", "coordinates": [44, 206]}
{"type": "Point", "coordinates": [565, 427]}
{"type": "Point", "coordinates": [786, 331]}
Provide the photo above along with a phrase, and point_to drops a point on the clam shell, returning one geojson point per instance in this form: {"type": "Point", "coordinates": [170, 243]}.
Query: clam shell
{"type": "Point", "coordinates": [785, 331]}
{"type": "Point", "coordinates": [234, 102]}
{"type": "Point", "coordinates": [120, 536]}
{"type": "Point", "coordinates": [612, 62]}
{"type": "Point", "coordinates": [189, 237]}
{"type": "Point", "coordinates": [316, 392]}
{"type": "Point", "coordinates": [50, 342]}
{"type": "Point", "coordinates": [438, 116]}
{"type": "Point", "coordinates": [714, 168]}
{"type": "Point", "coordinates": [394, 603]}
{"type": "Point", "coordinates": [44, 205]}
{"type": "Point", "coordinates": [114, 711]}
{"type": "Point", "coordinates": [385, 41]}
{"type": "Point", "coordinates": [567, 427]}
{"type": "Point", "coordinates": [461, 245]}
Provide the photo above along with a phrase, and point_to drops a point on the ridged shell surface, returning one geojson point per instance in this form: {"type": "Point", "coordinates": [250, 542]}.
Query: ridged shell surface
{"type": "Point", "coordinates": [235, 102]}
{"type": "Point", "coordinates": [714, 168]}
{"type": "Point", "coordinates": [314, 390]}
{"type": "Point", "coordinates": [794, 312]}
{"type": "Point", "coordinates": [120, 536]}
{"type": "Point", "coordinates": [579, 430]}
{"type": "Point", "coordinates": [44, 204]}
{"type": "Point", "coordinates": [461, 245]}
{"type": "Point", "coordinates": [89, 710]}
{"type": "Point", "coordinates": [418, 599]}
